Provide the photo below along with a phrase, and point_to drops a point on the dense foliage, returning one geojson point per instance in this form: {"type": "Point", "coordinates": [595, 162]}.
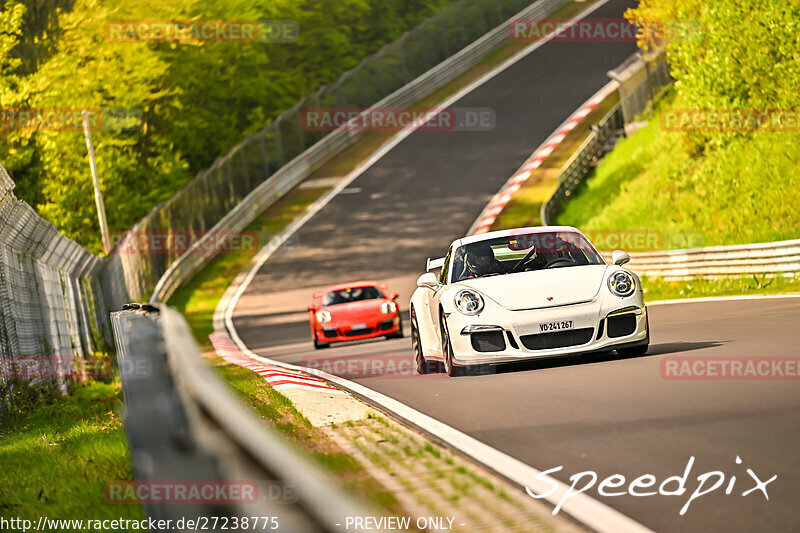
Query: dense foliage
{"type": "Point", "coordinates": [731, 186]}
{"type": "Point", "coordinates": [727, 54]}
{"type": "Point", "coordinates": [191, 101]}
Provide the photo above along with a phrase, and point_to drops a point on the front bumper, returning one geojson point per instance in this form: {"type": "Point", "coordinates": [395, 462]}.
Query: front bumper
{"type": "Point", "coordinates": [338, 332]}
{"type": "Point", "coordinates": [597, 326]}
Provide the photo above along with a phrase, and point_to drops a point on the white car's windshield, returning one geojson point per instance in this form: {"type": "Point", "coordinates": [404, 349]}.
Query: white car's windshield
{"type": "Point", "coordinates": [523, 252]}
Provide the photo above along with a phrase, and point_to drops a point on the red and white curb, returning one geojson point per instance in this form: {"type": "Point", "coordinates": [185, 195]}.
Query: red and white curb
{"type": "Point", "coordinates": [501, 199]}
{"type": "Point", "coordinates": [278, 378]}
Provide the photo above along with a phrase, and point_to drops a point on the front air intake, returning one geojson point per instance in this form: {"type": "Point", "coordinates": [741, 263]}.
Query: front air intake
{"type": "Point", "coordinates": [488, 341]}
{"type": "Point", "coordinates": [557, 339]}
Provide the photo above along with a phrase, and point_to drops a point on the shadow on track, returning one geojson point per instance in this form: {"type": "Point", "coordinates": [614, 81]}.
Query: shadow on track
{"type": "Point", "coordinates": [581, 359]}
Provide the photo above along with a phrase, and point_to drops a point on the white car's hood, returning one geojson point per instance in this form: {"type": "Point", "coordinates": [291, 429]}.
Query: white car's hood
{"type": "Point", "coordinates": [541, 288]}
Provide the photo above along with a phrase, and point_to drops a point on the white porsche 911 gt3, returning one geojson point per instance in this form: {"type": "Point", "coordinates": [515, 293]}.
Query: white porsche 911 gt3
{"type": "Point", "coordinates": [518, 294]}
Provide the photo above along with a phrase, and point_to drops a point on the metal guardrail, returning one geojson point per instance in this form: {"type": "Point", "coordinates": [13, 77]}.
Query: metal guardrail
{"type": "Point", "coordinates": [241, 209]}
{"type": "Point", "coordinates": [185, 425]}
{"type": "Point", "coordinates": [640, 78]}
{"type": "Point", "coordinates": [769, 258]}
{"type": "Point", "coordinates": [600, 141]}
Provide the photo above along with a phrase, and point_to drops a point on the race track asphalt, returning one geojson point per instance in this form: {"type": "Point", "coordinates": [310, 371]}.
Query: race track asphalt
{"type": "Point", "coordinates": [596, 412]}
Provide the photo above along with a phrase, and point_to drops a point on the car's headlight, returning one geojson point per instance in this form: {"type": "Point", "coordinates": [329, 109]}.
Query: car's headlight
{"type": "Point", "coordinates": [621, 283]}
{"type": "Point", "coordinates": [469, 302]}
{"type": "Point", "coordinates": [323, 316]}
{"type": "Point", "coordinates": [388, 307]}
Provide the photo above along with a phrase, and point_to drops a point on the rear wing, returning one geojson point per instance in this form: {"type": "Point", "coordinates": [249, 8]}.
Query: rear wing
{"type": "Point", "coordinates": [434, 263]}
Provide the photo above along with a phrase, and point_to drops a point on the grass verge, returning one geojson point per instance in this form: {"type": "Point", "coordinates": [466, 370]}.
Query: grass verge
{"type": "Point", "coordinates": [745, 191]}
{"type": "Point", "coordinates": [659, 289]}
{"type": "Point", "coordinates": [59, 455]}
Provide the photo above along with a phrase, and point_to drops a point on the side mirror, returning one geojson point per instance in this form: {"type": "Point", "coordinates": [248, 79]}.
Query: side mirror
{"type": "Point", "coordinates": [310, 307]}
{"type": "Point", "coordinates": [618, 257]}
{"type": "Point", "coordinates": [393, 295]}
{"type": "Point", "coordinates": [428, 280]}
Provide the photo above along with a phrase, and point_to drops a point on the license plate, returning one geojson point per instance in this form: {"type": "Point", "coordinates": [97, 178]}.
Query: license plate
{"type": "Point", "coordinates": [358, 326]}
{"type": "Point", "coordinates": [555, 326]}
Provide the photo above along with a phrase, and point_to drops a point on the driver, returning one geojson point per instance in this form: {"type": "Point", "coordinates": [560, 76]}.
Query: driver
{"type": "Point", "coordinates": [561, 249]}
{"type": "Point", "coordinates": [480, 261]}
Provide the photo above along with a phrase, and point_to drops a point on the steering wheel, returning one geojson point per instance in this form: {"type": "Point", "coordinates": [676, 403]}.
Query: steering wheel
{"type": "Point", "coordinates": [558, 260]}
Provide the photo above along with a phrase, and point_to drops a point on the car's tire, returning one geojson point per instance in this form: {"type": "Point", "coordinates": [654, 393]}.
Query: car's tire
{"type": "Point", "coordinates": [634, 351]}
{"type": "Point", "coordinates": [399, 333]}
{"type": "Point", "coordinates": [420, 364]}
{"type": "Point", "coordinates": [320, 345]}
{"type": "Point", "coordinates": [641, 349]}
{"type": "Point", "coordinates": [450, 367]}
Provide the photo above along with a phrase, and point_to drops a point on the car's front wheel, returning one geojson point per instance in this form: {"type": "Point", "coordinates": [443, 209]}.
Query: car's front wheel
{"type": "Point", "coordinates": [450, 365]}
{"type": "Point", "coordinates": [420, 364]}
{"type": "Point", "coordinates": [641, 349]}
{"type": "Point", "coordinates": [319, 345]}
{"type": "Point", "coordinates": [399, 333]}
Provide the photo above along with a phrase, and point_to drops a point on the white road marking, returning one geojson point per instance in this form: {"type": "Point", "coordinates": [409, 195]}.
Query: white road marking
{"type": "Point", "coordinates": [723, 298]}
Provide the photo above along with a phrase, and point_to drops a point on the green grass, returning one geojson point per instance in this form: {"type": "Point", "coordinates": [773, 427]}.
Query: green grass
{"type": "Point", "coordinates": [658, 289]}
{"type": "Point", "coordinates": [745, 191]}
{"type": "Point", "coordinates": [56, 458]}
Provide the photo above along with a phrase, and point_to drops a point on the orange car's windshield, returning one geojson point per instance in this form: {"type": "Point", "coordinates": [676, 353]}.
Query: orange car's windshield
{"type": "Point", "coordinates": [353, 294]}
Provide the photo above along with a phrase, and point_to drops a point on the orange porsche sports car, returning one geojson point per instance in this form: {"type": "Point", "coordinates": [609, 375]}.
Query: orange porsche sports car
{"type": "Point", "coordinates": [354, 311]}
